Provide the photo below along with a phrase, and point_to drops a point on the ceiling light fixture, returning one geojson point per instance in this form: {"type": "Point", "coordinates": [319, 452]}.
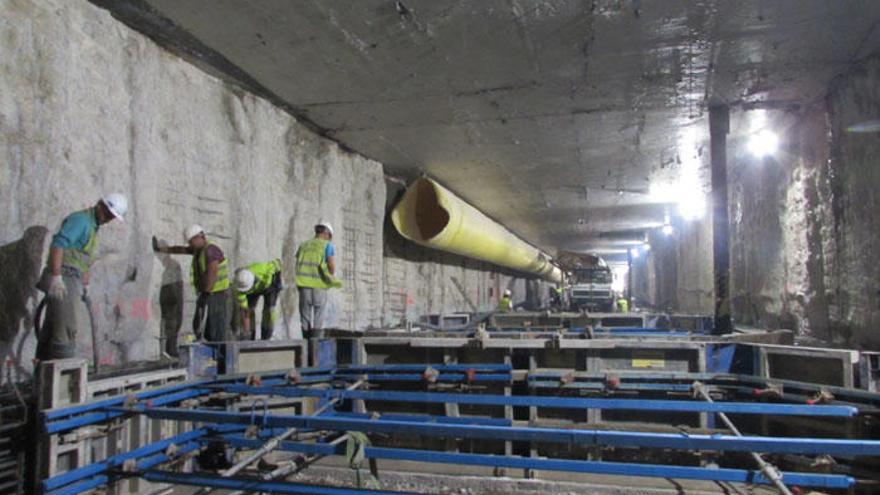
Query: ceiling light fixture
{"type": "Point", "coordinates": [763, 143]}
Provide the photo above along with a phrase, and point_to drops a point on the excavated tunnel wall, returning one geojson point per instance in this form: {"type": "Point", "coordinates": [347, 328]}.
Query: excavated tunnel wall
{"type": "Point", "coordinates": [90, 106]}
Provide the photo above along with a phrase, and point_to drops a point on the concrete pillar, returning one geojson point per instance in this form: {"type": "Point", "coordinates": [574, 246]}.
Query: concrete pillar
{"type": "Point", "coordinates": [719, 125]}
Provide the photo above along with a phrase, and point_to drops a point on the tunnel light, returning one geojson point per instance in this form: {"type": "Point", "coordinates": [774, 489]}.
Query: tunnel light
{"type": "Point", "coordinates": [634, 253]}
{"type": "Point", "coordinates": [667, 229]}
{"type": "Point", "coordinates": [763, 143]}
{"type": "Point", "coordinates": [646, 247]}
{"type": "Point", "coordinates": [692, 205]}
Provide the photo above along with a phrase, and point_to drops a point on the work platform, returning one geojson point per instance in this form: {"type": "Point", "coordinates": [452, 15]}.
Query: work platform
{"type": "Point", "coordinates": [513, 410]}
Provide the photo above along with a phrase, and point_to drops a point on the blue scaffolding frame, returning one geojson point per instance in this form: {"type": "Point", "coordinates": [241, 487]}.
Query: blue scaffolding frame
{"type": "Point", "coordinates": [250, 430]}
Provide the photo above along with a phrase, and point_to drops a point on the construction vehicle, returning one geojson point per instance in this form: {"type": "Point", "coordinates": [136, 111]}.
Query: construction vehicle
{"type": "Point", "coordinates": [588, 282]}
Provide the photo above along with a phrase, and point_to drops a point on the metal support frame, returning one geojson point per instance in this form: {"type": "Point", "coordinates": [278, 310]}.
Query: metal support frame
{"type": "Point", "coordinates": [267, 430]}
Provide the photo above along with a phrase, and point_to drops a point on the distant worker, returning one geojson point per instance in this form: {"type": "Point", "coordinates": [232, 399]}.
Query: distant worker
{"type": "Point", "coordinates": [623, 304]}
{"type": "Point", "coordinates": [252, 282]}
{"type": "Point", "coordinates": [315, 269]}
{"type": "Point", "coordinates": [505, 303]}
{"type": "Point", "coordinates": [557, 294]}
{"type": "Point", "coordinates": [209, 275]}
{"type": "Point", "coordinates": [66, 275]}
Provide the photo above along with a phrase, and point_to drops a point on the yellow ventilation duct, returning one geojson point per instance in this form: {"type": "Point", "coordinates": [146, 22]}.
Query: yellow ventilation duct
{"type": "Point", "coordinates": [431, 215]}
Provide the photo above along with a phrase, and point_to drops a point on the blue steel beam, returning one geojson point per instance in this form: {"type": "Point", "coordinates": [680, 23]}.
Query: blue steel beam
{"type": "Point", "coordinates": [116, 401]}
{"type": "Point", "coordinates": [253, 485]}
{"type": "Point", "coordinates": [557, 402]}
{"type": "Point", "coordinates": [117, 460]}
{"type": "Point", "coordinates": [390, 368]}
{"type": "Point", "coordinates": [567, 465]}
{"type": "Point", "coordinates": [105, 413]}
{"type": "Point", "coordinates": [662, 387]}
{"type": "Point", "coordinates": [102, 479]}
{"type": "Point", "coordinates": [787, 445]}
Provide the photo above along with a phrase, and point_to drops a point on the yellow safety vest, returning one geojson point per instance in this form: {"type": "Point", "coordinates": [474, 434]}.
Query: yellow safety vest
{"type": "Point", "coordinates": [200, 266]}
{"type": "Point", "coordinates": [505, 304]}
{"type": "Point", "coordinates": [263, 275]}
{"type": "Point", "coordinates": [311, 266]}
{"type": "Point", "coordinates": [82, 259]}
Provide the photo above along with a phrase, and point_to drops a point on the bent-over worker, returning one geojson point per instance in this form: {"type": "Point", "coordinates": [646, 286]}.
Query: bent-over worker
{"type": "Point", "coordinates": [251, 283]}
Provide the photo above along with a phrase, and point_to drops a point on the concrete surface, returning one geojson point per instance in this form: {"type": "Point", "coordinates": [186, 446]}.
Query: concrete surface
{"type": "Point", "coordinates": [90, 106]}
{"type": "Point", "coordinates": [554, 117]}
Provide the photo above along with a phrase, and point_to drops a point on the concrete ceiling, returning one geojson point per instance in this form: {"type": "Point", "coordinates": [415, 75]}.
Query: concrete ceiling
{"type": "Point", "coordinates": [553, 117]}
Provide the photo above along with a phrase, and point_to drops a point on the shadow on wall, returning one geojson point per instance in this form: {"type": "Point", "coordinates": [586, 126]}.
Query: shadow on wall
{"type": "Point", "coordinates": [170, 303]}
{"type": "Point", "coordinates": [20, 263]}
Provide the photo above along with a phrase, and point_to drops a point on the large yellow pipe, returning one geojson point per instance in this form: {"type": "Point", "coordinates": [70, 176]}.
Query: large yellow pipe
{"type": "Point", "coordinates": [433, 216]}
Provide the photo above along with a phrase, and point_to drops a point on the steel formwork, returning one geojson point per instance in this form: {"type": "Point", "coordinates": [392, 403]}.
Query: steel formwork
{"type": "Point", "coordinates": [233, 412]}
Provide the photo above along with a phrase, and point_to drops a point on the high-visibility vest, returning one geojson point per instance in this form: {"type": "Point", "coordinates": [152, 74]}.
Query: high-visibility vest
{"type": "Point", "coordinates": [263, 272]}
{"type": "Point", "coordinates": [82, 259]}
{"type": "Point", "coordinates": [505, 303]}
{"type": "Point", "coordinates": [200, 266]}
{"type": "Point", "coordinates": [311, 266]}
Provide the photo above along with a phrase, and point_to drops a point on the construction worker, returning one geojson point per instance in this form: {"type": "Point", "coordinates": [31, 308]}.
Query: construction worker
{"type": "Point", "coordinates": [66, 275]}
{"type": "Point", "coordinates": [315, 269]}
{"type": "Point", "coordinates": [209, 275]}
{"type": "Point", "coordinates": [623, 304]}
{"type": "Point", "coordinates": [505, 303]}
{"type": "Point", "coordinates": [252, 282]}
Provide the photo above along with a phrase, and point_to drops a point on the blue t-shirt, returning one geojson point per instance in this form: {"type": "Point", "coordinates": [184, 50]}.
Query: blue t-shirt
{"type": "Point", "coordinates": [329, 251]}
{"type": "Point", "coordinates": [75, 230]}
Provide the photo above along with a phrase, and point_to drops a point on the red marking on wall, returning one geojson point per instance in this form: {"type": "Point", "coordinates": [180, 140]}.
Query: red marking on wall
{"type": "Point", "coordinates": [140, 309]}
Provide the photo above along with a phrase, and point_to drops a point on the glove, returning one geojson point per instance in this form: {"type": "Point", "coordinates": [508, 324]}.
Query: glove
{"type": "Point", "coordinates": [57, 289]}
{"type": "Point", "coordinates": [156, 247]}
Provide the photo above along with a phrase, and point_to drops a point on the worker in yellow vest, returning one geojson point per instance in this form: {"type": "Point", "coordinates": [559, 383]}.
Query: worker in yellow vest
{"type": "Point", "coordinates": [505, 303]}
{"type": "Point", "coordinates": [66, 275]}
{"type": "Point", "coordinates": [209, 275]}
{"type": "Point", "coordinates": [315, 269]}
{"type": "Point", "coordinates": [251, 283]}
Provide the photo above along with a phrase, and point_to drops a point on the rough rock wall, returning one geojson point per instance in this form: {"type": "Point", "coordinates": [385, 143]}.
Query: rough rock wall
{"type": "Point", "coordinates": [90, 107]}
{"type": "Point", "coordinates": [804, 222]}
{"type": "Point", "coordinates": [850, 230]}
{"type": "Point", "coordinates": [775, 213]}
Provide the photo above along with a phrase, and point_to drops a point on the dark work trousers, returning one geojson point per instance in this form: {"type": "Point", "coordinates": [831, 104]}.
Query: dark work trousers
{"type": "Point", "coordinates": [62, 320]}
{"type": "Point", "coordinates": [211, 309]}
{"type": "Point", "coordinates": [270, 316]}
{"type": "Point", "coordinates": [212, 318]}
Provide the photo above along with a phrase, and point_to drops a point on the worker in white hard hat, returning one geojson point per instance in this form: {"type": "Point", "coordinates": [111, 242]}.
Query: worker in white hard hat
{"type": "Point", "coordinates": [209, 275]}
{"type": "Point", "coordinates": [505, 303]}
{"type": "Point", "coordinates": [315, 273]}
{"type": "Point", "coordinates": [71, 254]}
{"type": "Point", "coordinates": [251, 283]}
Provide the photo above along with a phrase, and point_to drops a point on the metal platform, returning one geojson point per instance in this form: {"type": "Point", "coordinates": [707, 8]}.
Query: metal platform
{"type": "Point", "coordinates": [508, 417]}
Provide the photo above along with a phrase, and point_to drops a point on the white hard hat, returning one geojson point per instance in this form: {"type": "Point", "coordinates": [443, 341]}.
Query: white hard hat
{"type": "Point", "coordinates": [244, 280]}
{"type": "Point", "coordinates": [192, 231]}
{"type": "Point", "coordinates": [507, 292]}
{"type": "Point", "coordinates": [326, 225]}
{"type": "Point", "coordinates": [116, 203]}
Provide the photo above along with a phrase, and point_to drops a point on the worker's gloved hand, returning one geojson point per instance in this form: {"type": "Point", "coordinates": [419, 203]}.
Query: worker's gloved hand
{"type": "Point", "coordinates": [156, 244]}
{"type": "Point", "coordinates": [57, 289]}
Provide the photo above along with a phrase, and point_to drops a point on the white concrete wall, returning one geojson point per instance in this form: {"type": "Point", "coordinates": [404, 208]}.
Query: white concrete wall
{"type": "Point", "coordinates": [88, 106]}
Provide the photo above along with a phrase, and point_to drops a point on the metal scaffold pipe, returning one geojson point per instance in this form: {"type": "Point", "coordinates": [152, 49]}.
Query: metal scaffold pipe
{"type": "Point", "coordinates": [433, 216]}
